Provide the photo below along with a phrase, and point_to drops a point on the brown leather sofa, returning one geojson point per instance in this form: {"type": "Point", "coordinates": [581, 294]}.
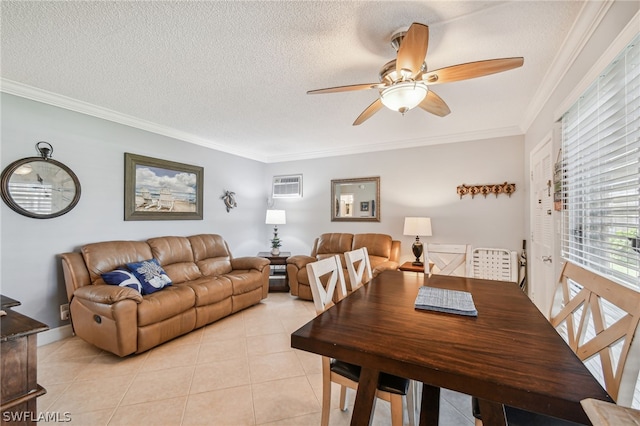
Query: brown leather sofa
{"type": "Point", "coordinates": [383, 254]}
{"type": "Point", "coordinates": [208, 284]}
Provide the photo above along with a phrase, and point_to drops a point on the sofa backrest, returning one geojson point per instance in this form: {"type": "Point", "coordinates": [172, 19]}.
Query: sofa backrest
{"type": "Point", "coordinates": [211, 254]}
{"type": "Point", "coordinates": [332, 243]}
{"type": "Point", "coordinates": [107, 256]}
{"type": "Point", "coordinates": [176, 257]}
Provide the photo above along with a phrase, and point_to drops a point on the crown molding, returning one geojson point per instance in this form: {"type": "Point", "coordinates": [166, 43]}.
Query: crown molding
{"type": "Point", "coordinates": [54, 99]}
{"type": "Point", "coordinates": [29, 92]}
{"type": "Point", "coordinates": [589, 17]}
{"type": "Point", "coordinates": [621, 42]}
{"type": "Point", "coordinates": [394, 145]}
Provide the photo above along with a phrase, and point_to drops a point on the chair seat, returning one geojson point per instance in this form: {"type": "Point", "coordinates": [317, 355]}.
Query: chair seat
{"type": "Point", "coordinates": [518, 417]}
{"type": "Point", "coordinates": [386, 382]}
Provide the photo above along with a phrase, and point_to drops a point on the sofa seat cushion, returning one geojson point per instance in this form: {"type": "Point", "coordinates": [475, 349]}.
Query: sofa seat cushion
{"type": "Point", "coordinates": [166, 303]}
{"type": "Point", "coordinates": [244, 281]}
{"type": "Point", "coordinates": [210, 290]}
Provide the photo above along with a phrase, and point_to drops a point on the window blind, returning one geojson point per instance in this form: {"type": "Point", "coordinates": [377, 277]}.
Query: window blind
{"type": "Point", "coordinates": [601, 172]}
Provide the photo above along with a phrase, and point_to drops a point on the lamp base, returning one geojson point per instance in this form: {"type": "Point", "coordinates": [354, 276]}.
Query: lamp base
{"type": "Point", "coordinates": [417, 249]}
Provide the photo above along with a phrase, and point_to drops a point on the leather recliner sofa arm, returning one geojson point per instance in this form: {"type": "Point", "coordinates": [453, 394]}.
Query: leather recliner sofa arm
{"type": "Point", "coordinates": [300, 260]}
{"type": "Point", "coordinates": [107, 294]}
{"type": "Point", "coordinates": [297, 266]}
{"type": "Point", "coordinates": [388, 265]}
{"type": "Point", "coordinates": [242, 263]}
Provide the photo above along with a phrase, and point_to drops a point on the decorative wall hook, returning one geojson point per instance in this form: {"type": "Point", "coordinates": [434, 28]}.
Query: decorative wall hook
{"type": "Point", "coordinates": [44, 149]}
{"type": "Point", "coordinates": [229, 199]}
{"type": "Point", "coordinates": [473, 190]}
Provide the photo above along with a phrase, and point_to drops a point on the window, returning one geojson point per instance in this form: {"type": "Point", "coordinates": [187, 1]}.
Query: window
{"type": "Point", "coordinates": [601, 172]}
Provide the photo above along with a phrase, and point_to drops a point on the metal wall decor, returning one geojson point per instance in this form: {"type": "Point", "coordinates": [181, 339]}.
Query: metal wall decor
{"type": "Point", "coordinates": [40, 187]}
{"type": "Point", "coordinates": [484, 190]}
{"type": "Point", "coordinates": [229, 199]}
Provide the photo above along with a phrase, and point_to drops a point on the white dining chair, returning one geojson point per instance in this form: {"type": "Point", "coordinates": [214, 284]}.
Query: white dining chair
{"type": "Point", "coordinates": [329, 271]}
{"type": "Point", "coordinates": [495, 264]}
{"type": "Point", "coordinates": [358, 267]}
{"type": "Point", "coordinates": [599, 320]}
{"type": "Point", "coordinates": [448, 259]}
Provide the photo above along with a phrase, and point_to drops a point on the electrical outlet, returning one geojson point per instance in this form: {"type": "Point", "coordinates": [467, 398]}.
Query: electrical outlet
{"type": "Point", "coordinates": [64, 312]}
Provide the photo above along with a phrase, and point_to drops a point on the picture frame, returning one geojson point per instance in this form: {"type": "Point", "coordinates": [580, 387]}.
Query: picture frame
{"type": "Point", "coordinates": [156, 189]}
{"type": "Point", "coordinates": [348, 194]}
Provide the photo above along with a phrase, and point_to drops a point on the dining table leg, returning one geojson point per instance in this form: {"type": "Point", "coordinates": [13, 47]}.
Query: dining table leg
{"type": "Point", "coordinates": [430, 405]}
{"type": "Point", "coordinates": [492, 413]}
{"type": "Point", "coordinates": [365, 397]}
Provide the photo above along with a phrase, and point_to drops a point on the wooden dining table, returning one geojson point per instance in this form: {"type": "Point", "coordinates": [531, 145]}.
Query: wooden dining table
{"type": "Point", "coordinates": [508, 355]}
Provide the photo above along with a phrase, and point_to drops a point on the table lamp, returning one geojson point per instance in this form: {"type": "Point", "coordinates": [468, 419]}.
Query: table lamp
{"type": "Point", "coordinates": [420, 227]}
{"type": "Point", "coordinates": [275, 217]}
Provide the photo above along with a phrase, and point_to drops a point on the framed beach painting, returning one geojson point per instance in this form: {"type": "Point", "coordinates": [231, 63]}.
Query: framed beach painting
{"type": "Point", "coordinates": [157, 189]}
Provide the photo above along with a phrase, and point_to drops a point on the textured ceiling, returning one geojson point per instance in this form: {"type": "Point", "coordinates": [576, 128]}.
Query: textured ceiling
{"type": "Point", "coordinates": [233, 75]}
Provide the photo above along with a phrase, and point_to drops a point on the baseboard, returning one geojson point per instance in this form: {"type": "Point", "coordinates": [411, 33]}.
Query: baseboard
{"type": "Point", "coordinates": [55, 334]}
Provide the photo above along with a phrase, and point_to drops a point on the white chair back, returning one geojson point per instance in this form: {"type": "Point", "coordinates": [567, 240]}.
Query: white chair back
{"type": "Point", "coordinates": [448, 259]}
{"type": "Point", "coordinates": [358, 267]}
{"type": "Point", "coordinates": [495, 264]}
{"type": "Point", "coordinates": [331, 268]}
{"type": "Point", "coordinates": [599, 320]}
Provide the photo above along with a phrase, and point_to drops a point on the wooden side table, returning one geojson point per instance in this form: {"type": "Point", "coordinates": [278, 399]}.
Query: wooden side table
{"type": "Point", "coordinates": [408, 267]}
{"type": "Point", "coordinates": [18, 363]}
{"type": "Point", "coordinates": [278, 280]}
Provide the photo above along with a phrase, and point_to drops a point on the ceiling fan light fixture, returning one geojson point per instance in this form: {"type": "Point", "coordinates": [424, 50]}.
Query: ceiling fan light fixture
{"type": "Point", "coordinates": [403, 96]}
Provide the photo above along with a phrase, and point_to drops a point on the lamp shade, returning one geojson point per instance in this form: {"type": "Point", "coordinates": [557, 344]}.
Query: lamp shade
{"type": "Point", "coordinates": [276, 217]}
{"type": "Point", "coordinates": [402, 97]}
{"type": "Point", "coordinates": [418, 226]}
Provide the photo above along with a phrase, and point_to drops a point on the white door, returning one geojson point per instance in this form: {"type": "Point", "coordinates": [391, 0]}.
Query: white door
{"type": "Point", "coordinates": [541, 282]}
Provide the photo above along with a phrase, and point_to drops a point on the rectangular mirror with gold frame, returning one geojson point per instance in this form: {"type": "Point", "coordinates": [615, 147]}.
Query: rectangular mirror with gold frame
{"type": "Point", "coordinates": [355, 200]}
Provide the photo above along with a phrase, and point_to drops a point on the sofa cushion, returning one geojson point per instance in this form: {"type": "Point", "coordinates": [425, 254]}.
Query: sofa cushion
{"type": "Point", "coordinates": [244, 281]}
{"type": "Point", "coordinates": [176, 257]}
{"type": "Point", "coordinates": [210, 290]}
{"type": "Point", "coordinates": [107, 256]}
{"type": "Point", "coordinates": [150, 274]}
{"type": "Point", "coordinates": [211, 254]}
{"type": "Point", "coordinates": [334, 243]}
{"type": "Point", "coordinates": [164, 304]}
{"type": "Point", "coordinates": [122, 278]}
{"type": "Point", "coordinates": [378, 245]}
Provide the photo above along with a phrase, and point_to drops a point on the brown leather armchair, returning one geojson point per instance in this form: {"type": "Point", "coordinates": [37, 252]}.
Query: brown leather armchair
{"type": "Point", "coordinates": [383, 255]}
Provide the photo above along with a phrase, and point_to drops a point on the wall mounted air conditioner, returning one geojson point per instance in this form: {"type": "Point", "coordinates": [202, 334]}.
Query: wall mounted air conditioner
{"type": "Point", "coordinates": [289, 186]}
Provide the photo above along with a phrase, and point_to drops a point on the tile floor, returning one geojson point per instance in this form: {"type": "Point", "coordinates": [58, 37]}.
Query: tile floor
{"type": "Point", "coordinates": [238, 371]}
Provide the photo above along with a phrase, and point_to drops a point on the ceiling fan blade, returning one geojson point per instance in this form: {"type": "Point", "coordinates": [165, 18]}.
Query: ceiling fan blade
{"type": "Point", "coordinates": [367, 113]}
{"type": "Point", "coordinates": [471, 70]}
{"type": "Point", "coordinates": [349, 88]}
{"type": "Point", "coordinates": [413, 49]}
{"type": "Point", "coordinates": [434, 104]}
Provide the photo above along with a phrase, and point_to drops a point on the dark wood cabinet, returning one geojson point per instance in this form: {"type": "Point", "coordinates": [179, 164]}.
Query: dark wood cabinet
{"type": "Point", "coordinates": [278, 280]}
{"type": "Point", "coordinates": [18, 365]}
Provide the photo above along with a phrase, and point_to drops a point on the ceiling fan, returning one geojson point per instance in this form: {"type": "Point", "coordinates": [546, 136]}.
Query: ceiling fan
{"type": "Point", "coordinates": [404, 81]}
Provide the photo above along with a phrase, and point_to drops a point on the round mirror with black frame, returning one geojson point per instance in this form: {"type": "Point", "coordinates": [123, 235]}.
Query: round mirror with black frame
{"type": "Point", "coordinates": [40, 187]}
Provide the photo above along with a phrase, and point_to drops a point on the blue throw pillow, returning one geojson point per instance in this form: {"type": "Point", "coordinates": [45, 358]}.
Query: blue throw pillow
{"type": "Point", "coordinates": [122, 278]}
{"type": "Point", "coordinates": [150, 274]}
